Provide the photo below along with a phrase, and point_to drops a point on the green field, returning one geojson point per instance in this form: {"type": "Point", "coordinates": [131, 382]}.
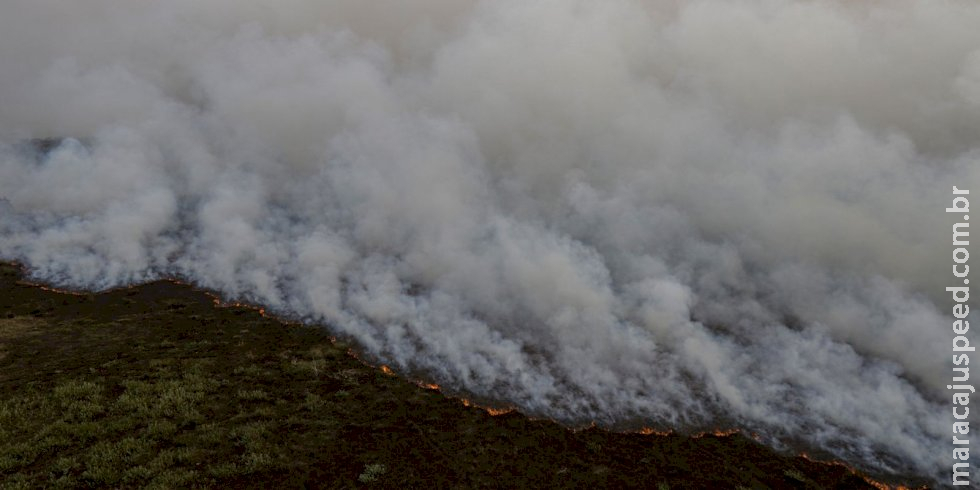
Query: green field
{"type": "Point", "coordinates": [158, 387]}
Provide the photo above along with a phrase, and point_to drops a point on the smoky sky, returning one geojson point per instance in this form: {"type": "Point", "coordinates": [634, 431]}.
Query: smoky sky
{"type": "Point", "coordinates": [685, 214]}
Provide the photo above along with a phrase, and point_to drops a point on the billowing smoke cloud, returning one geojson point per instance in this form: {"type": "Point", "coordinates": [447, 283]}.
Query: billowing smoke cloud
{"type": "Point", "coordinates": [694, 214]}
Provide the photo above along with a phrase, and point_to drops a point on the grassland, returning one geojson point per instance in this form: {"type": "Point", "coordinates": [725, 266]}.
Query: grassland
{"type": "Point", "coordinates": [158, 387]}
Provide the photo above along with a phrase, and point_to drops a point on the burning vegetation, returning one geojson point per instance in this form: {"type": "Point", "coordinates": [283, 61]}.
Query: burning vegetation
{"type": "Point", "coordinates": [158, 385]}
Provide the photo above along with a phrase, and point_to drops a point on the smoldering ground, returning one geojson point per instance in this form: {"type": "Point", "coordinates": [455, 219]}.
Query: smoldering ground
{"type": "Point", "coordinates": [658, 211]}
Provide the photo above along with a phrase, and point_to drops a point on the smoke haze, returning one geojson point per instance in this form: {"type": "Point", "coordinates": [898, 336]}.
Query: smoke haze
{"type": "Point", "coordinates": [686, 214]}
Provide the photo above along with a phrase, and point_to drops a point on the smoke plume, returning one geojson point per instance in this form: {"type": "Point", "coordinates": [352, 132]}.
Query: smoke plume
{"type": "Point", "coordinates": [686, 214]}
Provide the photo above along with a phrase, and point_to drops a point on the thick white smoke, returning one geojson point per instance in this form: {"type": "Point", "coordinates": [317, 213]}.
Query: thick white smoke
{"type": "Point", "coordinates": [695, 214]}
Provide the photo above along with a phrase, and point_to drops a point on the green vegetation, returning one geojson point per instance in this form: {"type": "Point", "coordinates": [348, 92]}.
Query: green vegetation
{"type": "Point", "coordinates": [157, 387]}
{"type": "Point", "coordinates": [150, 429]}
{"type": "Point", "coordinates": [793, 474]}
{"type": "Point", "coordinates": [371, 473]}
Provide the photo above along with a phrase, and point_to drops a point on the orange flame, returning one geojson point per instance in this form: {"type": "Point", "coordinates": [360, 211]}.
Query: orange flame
{"type": "Point", "coordinates": [649, 431]}
{"type": "Point", "coordinates": [52, 290]}
{"type": "Point", "coordinates": [494, 412]}
{"type": "Point", "coordinates": [882, 486]}
{"type": "Point", "coordinates": [717, 433]}
{"type": "Point", "coordinates": [874, 483]}
{"type": "Point", "coordinates": [429, 386]}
